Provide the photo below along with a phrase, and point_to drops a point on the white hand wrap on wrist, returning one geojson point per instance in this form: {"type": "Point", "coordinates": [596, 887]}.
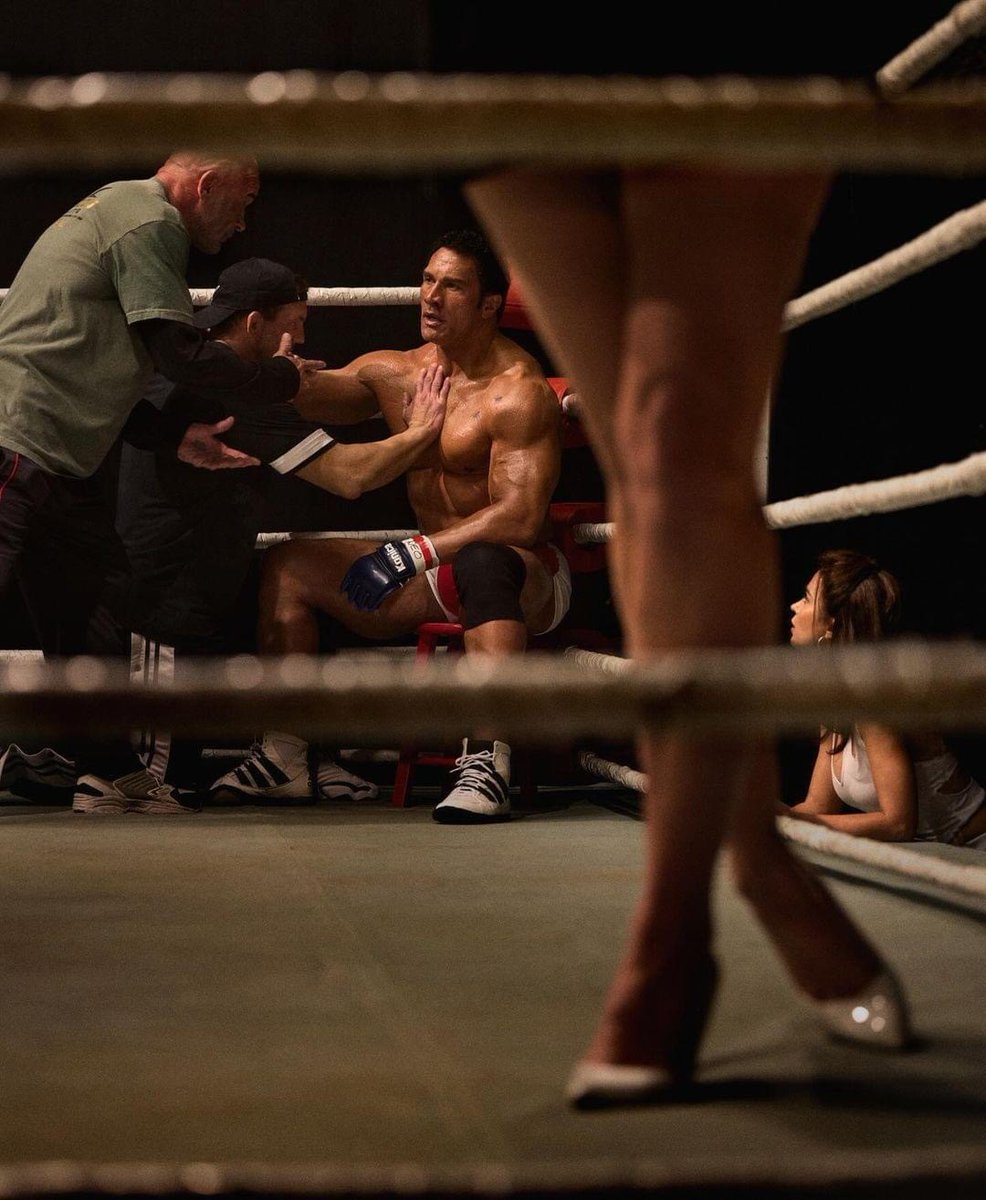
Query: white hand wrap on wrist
{"type": "Point", "coordinates": [422, 553]}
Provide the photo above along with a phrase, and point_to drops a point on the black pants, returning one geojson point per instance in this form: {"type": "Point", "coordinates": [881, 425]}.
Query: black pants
{"type": "Point", "coordinates": [58, 542]}
{"type": "Point", "coordinates": [175, 758]}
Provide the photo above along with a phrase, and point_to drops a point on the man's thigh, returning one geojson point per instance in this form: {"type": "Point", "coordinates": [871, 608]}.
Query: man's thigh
{"type": "Point", "coordinates": [74, 572]}
{"type": "Point", "coordinates": [315, 569]}
{"type": "Point", "coordinates": [24, 489]}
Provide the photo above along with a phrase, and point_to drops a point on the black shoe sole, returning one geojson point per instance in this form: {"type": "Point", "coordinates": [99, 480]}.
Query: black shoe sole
{"type": "Point", "coordinates": [227, 796]}
{"type": "Point", "coordinates": [462, 816]}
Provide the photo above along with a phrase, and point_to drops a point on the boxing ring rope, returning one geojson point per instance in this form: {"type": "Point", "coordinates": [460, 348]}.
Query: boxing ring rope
{"type": "Point", "coordinates": [950, 481]}
{"type": "Point", "coordinates": [966, 878]}
{"type": "Point", "coordinates": [353, 122]}
{"type": "Point", "coordinates": [539, 697]}
{"type": "Point", "coordinates": [338, 297]}
{"type": "Point", "coordinates": [265, 540]}
{"type": "Point", "coordinates": [965, 21]}
{"type": "Point", "coordinates": [956, 233]}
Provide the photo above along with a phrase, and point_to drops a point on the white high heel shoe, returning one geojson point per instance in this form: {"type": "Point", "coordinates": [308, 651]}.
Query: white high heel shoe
{"type": "Point", "coordinates": [610, 1085]}
{"type": "Point", "coordinates": [875, 1016]}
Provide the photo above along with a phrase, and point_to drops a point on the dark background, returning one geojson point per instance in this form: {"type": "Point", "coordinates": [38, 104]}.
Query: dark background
{"type": "Point", "coordinates": [889, 385]}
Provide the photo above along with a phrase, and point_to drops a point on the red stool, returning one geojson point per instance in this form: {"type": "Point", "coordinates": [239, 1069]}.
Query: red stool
{"type": "Point", "coordinates": [430, 635]}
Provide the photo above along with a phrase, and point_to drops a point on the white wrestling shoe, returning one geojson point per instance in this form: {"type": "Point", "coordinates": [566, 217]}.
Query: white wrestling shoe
{"type": "Point", "coordinates": [332, 782]}
{"type": "Point", "coordinates": [277, 770]}
{"type": "Point", "coordinates": [481, 791]}
{"type": "Point", "coordinates": [876, 1016]}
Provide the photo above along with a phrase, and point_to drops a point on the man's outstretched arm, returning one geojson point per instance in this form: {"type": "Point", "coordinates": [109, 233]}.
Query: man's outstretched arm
{"type": "Point", "coordinates": [348, 470]}
{"type": "Point", "coordinates": [345, 395]}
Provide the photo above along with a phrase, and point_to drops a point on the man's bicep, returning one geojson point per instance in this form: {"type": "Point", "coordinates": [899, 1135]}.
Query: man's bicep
{"type": "Point", "coordinates": [337, 397]}
{"type": "Point", "coordinates": [525, 454]}
{"type": "Point", "coordinates": [525, 474]}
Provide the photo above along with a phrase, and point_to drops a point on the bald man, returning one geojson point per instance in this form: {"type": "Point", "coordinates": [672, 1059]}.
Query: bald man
{"type": "Point", "coordinates": [100, 302]}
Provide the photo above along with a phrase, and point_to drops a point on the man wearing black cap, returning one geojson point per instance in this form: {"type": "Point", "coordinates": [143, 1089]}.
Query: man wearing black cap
{"type": "Point", "coordinates": [190, 535]}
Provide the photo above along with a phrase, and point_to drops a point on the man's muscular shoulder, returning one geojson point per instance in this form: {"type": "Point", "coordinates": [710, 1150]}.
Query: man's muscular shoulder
{"type": "Point", "coordinates": [520, 392]}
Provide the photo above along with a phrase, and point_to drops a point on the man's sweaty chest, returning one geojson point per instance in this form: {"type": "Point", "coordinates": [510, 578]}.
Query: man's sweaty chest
{"type": "Point", "coordinates": [464, 444]}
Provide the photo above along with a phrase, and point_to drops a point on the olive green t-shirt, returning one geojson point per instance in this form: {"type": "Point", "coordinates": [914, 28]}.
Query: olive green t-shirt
{"type": "Point", "coordinates": [71, 364]}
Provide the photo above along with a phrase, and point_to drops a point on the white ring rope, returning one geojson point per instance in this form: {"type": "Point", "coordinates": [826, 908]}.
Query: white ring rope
{"type": "Point", "coordinates": [592, 660]}
{"type": "Point", "coordinates": [529, 698]}
{"type": "Point", "coordinates": [956, 233]}
{"type": "Point", "coordinates": [344, 297]}
{"type": "Point", "coordinates": [326, 297]}
{"type": "Point", "coordinates": [370, 535]}
{"type": "Point", "coordinates": [960, 877]}
{"type": "Point", "coordinates": [385, 124]}
{"type": "Point", "coordinates": [965, 21]}
{"type": "Point", "coordinates": [614, 772]}
{"type": "Point", "coordinates": [950, 481]}
{"type": "Point", "coordinates": [969, 878]}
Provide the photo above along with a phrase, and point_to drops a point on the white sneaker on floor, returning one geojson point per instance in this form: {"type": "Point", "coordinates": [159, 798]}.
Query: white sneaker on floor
{"type": "Point", "coordinates": [138, 792]}
{"type": "Point", "coordinates": [276, 770]}
{"type": "Point", "coordinates": [332, 782]}
{"type": "Point", "coordinates": [481, 786]}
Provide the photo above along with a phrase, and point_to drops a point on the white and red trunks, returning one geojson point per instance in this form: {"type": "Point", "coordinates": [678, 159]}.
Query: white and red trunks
{"type": "Point", "coordinates": [442, 584]}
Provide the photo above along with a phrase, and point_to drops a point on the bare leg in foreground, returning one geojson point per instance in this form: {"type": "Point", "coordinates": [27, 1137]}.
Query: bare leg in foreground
{"type": "Point", "coordinates": [660, 293]}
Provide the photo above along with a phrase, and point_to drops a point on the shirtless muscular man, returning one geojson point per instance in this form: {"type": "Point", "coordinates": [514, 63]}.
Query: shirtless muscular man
{"type": "Point", "coordinates": [480, 495]}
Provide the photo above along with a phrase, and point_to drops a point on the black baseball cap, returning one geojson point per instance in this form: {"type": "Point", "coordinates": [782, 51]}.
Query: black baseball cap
{"type": "Point", "coordinates": [254, 283]}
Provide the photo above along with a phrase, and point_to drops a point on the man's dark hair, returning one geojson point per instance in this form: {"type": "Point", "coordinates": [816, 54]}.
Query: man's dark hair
{"type": "Point", "coordinates": [268, 313]}
{"type": "Point", "coordinates": [493, 279]}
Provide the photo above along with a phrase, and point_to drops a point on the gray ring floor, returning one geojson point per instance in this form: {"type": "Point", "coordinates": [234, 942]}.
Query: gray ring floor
{"type": "Point", "coordinates": [356, 993]}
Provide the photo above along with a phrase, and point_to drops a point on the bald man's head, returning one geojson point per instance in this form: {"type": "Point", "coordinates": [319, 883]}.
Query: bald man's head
{"type": "Point", "coordinates": [211, 192]}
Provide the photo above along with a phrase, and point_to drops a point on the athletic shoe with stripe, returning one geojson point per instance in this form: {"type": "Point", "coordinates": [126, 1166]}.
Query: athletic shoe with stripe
{"type": "Point", "coordinates": [138, 792]}
{"type": "Point", "coordinates": [276, 770]}
{"type": "Point", "coordinates": [45, 767]}
{"type": "Point", "coordinates": [481, 785]}
{"type": "Point", "coordinates": [332, 782]}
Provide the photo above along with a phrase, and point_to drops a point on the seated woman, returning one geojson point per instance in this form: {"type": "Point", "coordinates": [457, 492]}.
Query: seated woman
{"type": "Point", "coordinates": [869, 780]}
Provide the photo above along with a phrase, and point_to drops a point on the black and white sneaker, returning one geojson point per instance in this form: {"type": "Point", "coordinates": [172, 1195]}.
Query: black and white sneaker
{"type": "Point", "coordinates": [481, 785]}
{"type": "Point", "coordinates": [276, 770]}
{"type": "Point", "coordinates": [138, 792]}
{"type": "Point", "coordinates": [332, 782]}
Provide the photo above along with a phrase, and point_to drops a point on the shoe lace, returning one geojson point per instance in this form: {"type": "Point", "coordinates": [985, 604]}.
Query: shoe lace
{"type": "Point", "coordinates": [473, 768]}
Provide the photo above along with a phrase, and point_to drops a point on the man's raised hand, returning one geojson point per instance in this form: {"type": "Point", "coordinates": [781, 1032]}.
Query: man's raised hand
{"type": "Point", "coordinates": [426, 408]}
{"type": "Point", "coordinates": [307, 367]}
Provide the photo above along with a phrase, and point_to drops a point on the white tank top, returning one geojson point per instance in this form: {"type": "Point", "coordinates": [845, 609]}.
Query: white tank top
{"type": "Point", "coordinates": [940, 814]}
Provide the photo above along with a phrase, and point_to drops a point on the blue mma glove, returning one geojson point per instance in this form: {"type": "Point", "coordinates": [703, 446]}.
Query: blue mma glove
{"type": "Point", "coordinates": [372, 577]}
